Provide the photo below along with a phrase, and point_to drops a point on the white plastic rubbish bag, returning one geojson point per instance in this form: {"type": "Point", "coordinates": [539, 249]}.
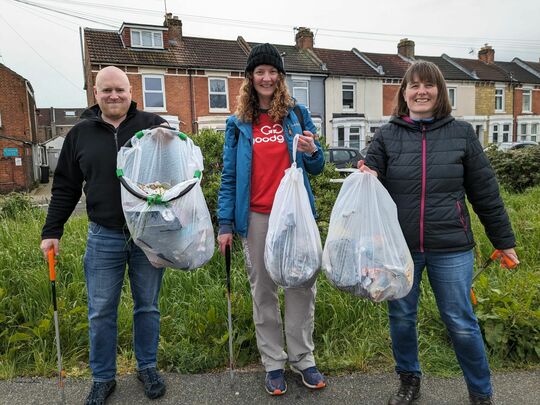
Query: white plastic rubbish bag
{"type": "Point", "coordinates": [293, 248]}
{"type": "Point", "coordinates": [162, 199]}
{"type": "Point", "coordinates": [365, 252]}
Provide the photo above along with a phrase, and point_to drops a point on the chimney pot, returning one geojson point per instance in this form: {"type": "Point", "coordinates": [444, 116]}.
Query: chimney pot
{"type": "Point", "coordinates": [304, 38]}
{"type": "Point", "coordinates": [174, 26]}
{"type": "Point", "coordinates": [406, 48]}
{"type": "Point", "coordinates": [487, 54]}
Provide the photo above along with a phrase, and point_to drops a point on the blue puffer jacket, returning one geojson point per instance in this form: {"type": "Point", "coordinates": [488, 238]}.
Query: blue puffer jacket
{"type": "Point", "coordinates": [235, 191]}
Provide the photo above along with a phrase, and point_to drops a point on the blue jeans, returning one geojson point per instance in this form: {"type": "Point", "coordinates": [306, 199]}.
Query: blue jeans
{"type": "Point", "coordinates": [450, 276]}
{"type": "Point", "coordinates": [107, 253]}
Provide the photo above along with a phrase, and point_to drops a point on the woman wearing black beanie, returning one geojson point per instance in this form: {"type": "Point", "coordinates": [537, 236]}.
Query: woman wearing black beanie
{"type": "Point", "coordinates": [257, 151]}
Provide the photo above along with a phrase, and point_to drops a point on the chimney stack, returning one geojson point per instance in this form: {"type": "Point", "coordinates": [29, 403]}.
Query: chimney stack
{"type": "Point", "coordinates": [304, 38]}
{"type": "Point", "coordinates": [406, 48]}
{"type": "Point", "coordinates": [174, 26]}
{"type": "Point", "coordinates": [486, 54]}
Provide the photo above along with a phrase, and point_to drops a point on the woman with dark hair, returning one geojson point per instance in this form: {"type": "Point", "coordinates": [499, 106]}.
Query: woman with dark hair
{"type": "Point", "coordinates": [429, 163]}
{"type": "Point", "coordinates": [257, 151]}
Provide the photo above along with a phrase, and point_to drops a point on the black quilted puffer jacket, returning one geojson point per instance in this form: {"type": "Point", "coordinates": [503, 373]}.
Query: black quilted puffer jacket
{"type": "Point", "coordinates": [429, 169]}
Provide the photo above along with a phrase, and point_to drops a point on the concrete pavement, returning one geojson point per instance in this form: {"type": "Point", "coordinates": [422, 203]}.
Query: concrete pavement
{"type": "Point", "coordinates": [41, 196]}
{"type": "Point", "coordinates": [513, 388]}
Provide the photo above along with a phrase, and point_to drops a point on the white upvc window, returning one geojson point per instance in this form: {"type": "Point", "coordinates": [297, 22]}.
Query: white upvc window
{"type": "Point", "coordinates": [534, 132]}
{"type": "Point", "coordinates": [301, 91]}
{"type": "Point", "coordinates": [495, 134]}
{"type": "Point", "coordinates": [452, 96]}
{"type": "Point", "coordinates": [354, 137]}
{"type": "Point", "coordinates": [146, 39]}
{"type": "Point", "coordinates": [154, 93]}
{"type": "Point", "coordinates": [523, 131]}
{"type": "Point", "coordinates": [527, 100]}
{"type": "Point", "coordinates": [499, 99]}
{"type": "Point", "coordinates": [506, 133]}
{"type": "Point", "coordinates": [218, 99]}
{"type": "Point", "coordinates": [347, 95]}
{"type": "Point", "coordinates": [0, 120]}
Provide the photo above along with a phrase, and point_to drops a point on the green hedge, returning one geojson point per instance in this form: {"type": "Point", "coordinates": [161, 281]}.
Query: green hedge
{"type": "Point", "coordinates": [516, 170]}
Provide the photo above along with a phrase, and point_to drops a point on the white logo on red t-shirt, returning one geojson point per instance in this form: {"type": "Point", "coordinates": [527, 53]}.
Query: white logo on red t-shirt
{"type": "Point", "coordinates": [276, 132]}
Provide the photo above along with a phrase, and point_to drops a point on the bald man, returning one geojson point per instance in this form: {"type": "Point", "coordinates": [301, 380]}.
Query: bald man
{"type": "Point", "coordinates": [88, 157]}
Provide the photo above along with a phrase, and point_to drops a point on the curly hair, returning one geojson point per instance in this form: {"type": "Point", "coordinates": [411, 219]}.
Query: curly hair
{"type": "Point", "coordinates": [248, 101]}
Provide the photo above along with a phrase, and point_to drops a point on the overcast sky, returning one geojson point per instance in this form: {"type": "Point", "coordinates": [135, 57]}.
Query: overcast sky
{"type": "Point", "coordinates": [44, 46]}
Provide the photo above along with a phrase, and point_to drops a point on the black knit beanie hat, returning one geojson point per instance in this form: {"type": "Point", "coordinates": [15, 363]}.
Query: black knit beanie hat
{"type": "Point", "coordinates": [264, 54]}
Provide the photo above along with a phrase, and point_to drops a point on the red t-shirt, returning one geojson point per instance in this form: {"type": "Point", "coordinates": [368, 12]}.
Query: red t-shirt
{"type": "Point", "coordinates": [270, 159]}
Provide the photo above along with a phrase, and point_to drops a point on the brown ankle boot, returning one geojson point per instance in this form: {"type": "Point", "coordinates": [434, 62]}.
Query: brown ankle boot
{"type": "Point", "coordinates": [409, 390]}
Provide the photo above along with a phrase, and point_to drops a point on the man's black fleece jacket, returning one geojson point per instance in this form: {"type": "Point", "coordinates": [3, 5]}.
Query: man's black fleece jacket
{"type": "Point", "coordinates": [88, 157]}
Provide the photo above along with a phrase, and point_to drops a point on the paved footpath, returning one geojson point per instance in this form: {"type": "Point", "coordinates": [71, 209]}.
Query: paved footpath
{"type": "Point", "coordinates": [515, 388]}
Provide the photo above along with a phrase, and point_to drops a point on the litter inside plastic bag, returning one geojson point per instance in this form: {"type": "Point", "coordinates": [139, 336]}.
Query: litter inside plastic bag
{"type": "Point", "coordinates": [293, 248]}
{"type": "Point", "coordinates": [162, 199]}
{"type": "Point", "coordinates": [365, 252]}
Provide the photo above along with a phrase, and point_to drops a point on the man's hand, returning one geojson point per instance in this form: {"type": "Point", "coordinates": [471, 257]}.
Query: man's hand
{"type": "Point", "coordinates": [224, 239]}
{"type": "Point", "coordinates": [47, 244]}
{"type": "Point", "coordinates": [364, 169]}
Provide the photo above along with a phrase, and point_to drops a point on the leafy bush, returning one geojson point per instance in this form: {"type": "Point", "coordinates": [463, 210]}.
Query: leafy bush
{"type": "Point", "coordinates": [14, 205]}
{"type": "Point", "coordinates": [211, 144]}
{"type": "Point", "coordinates": [510, 318]}
{"type": "Point", "coordinates": [517, 169]}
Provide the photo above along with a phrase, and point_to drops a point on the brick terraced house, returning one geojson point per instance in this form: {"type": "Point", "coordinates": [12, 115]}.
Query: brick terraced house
{"type": "Point", "coordinates": [20, 156]}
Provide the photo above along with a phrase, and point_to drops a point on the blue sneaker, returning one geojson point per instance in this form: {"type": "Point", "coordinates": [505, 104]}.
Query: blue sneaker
{"type": "Point", "coordinates": [311, 377]}
{"type": "Point", "coordinates": [275, 383]}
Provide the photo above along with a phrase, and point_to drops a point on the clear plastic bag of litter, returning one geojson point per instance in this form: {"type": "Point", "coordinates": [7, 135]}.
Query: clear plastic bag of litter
{"type": "Point", "coordinates": [365, 252]}
{"type": "Point", "coordinates": [293, 248]}
{"type": "Point", "coordinates": [160, 170]}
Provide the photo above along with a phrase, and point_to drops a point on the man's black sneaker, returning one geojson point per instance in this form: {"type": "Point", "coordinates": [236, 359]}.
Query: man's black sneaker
{"type": "Point", "coordinates": [409, 390]}
{"type": "Point", "coordinates": [99, 392]}
{"type": "Point", "coordinates": [154, 386]}
{"type": "Point", "coordinates": [475, 400]}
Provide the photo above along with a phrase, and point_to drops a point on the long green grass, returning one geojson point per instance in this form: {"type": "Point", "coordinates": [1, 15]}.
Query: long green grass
{"type": "Point", "coordinates": [350, 333]}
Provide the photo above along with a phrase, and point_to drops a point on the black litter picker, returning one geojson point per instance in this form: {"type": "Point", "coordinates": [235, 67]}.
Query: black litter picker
{"type": "Point", "coordinates": [160, 170]}
{"type": "Point", "coordinates": [52, 278]}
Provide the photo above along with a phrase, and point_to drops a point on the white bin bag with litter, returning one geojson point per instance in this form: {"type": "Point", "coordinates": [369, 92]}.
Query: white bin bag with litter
{"type": "Point", "coordinates": [162, 199]}
{"type": "Point", "coordinates": [293, 249]}
{"type": "Point", "coordinates": [365, 252]}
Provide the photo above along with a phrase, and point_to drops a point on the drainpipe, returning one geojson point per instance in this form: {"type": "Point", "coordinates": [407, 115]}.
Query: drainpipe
{"type": "Point", "coordinates": [191, 98]}
{"type": "Point", "coordinates": [324, 114]}
{"type": "Point", "coordinates": [514, 117]}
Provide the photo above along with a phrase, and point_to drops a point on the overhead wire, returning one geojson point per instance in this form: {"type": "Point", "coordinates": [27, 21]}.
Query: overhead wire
{"type": "Point", "coordinates": [74, 14]}
{"type": "Point", "coordinates": [454, 41]}
{"type": "Point", "coordinates": [38, 54]}
{"type": "Point", "coordinates": [40, 15]}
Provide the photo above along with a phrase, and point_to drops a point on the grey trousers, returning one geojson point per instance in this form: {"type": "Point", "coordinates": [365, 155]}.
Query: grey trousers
{"type": "Point", "coordinates": [299, 307]}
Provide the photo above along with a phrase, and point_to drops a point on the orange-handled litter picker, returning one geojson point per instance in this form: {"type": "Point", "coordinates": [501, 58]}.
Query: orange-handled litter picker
{"type": "Point", "coordinates": [52, 277]}
{"type": "Point", "coordinates": [506, 262]}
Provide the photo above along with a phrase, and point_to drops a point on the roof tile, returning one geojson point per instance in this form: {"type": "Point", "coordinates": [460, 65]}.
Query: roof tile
{"type": "Point", "coordinates": [345, 63]}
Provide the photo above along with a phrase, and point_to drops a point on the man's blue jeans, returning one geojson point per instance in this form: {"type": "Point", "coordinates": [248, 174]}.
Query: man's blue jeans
{"type": "Point", "coordinates": [450, 276]}
{"type": "Point", "coordinates": [107, 253]}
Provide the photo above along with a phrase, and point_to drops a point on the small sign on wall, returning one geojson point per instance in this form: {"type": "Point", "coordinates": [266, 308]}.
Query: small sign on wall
{"type": "Point", "coordinates": [18, 161]}
{"type": "Point", "coordinates": [8, 152]}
